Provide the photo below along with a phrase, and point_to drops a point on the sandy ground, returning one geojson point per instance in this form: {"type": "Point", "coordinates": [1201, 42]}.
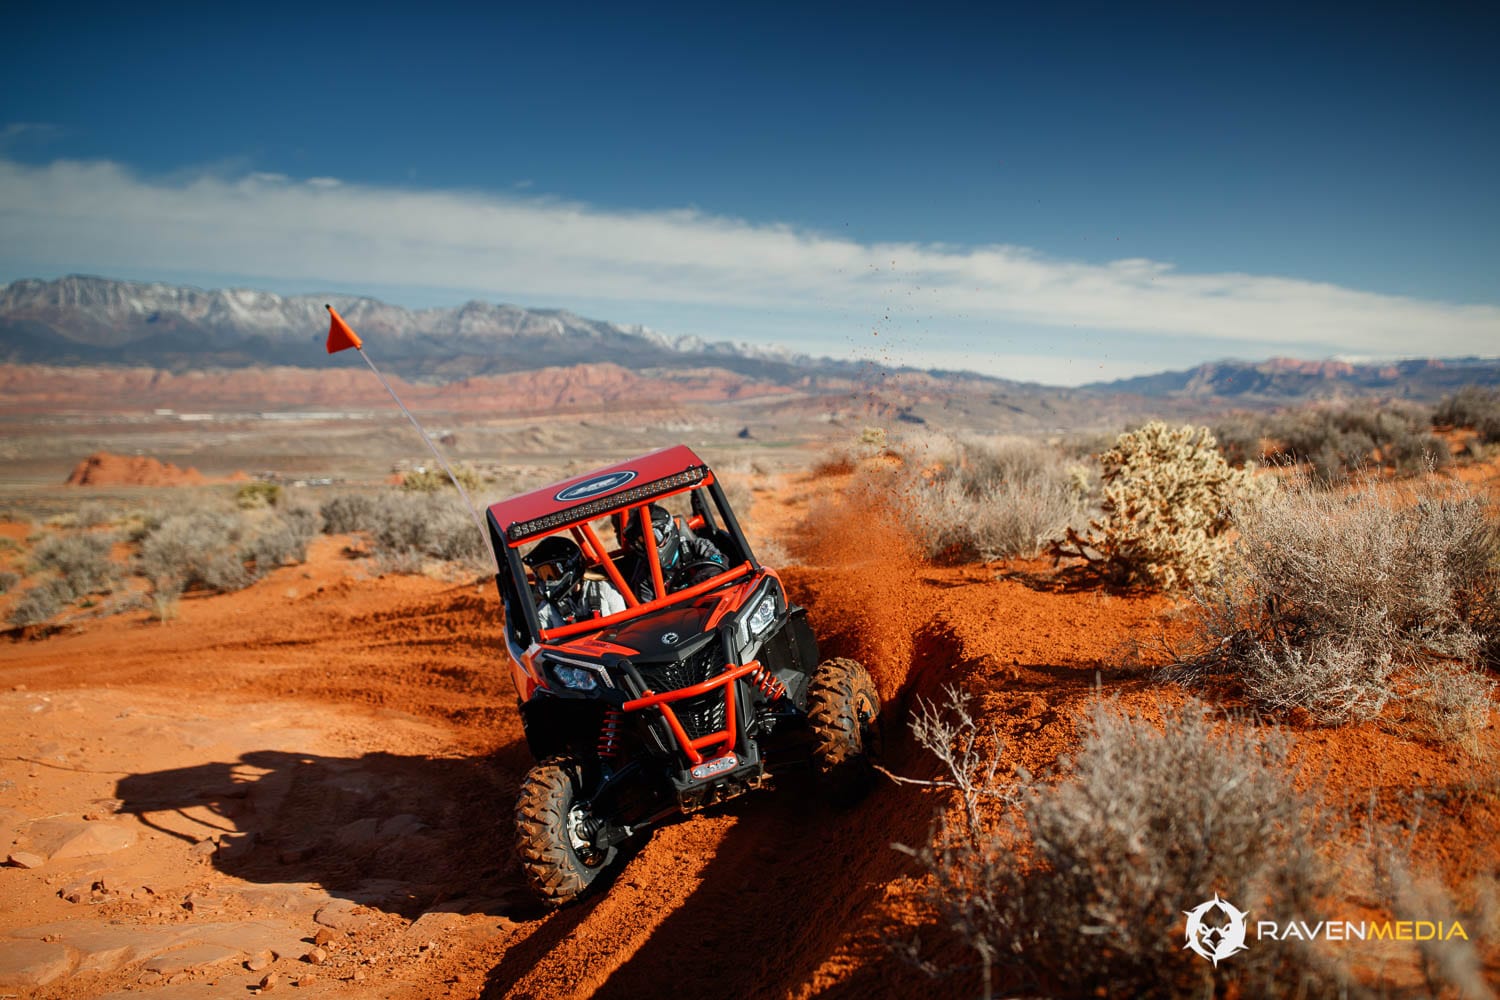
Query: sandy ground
{"type": "Point", "coordinates": [307, 787]}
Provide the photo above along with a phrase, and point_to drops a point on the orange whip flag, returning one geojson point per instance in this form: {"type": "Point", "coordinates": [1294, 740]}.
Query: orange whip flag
{"type": "Point", "coordinates": [341, 337]}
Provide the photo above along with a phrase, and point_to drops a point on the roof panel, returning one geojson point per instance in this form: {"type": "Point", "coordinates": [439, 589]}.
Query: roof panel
{"type": "Point", "coordinates": [601, 483]}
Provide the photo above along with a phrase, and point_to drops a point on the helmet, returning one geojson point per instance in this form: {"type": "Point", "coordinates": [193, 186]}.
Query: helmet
{"type": "Point", "coordinates": [662, 526]}
{"type": "Point", "coordinates": [557, 564]}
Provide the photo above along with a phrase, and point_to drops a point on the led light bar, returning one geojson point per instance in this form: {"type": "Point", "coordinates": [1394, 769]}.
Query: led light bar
{"type": "Point", "coordinates": [523, 530]}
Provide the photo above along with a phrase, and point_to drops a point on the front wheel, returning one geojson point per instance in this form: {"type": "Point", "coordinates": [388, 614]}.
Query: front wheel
{"type": "Point", "coordinates": [843, 710]}
{"type": "Point", "coordinates": [554, 831]}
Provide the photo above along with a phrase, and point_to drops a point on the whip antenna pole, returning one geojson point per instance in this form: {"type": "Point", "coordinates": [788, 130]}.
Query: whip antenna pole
{"type": "Point", "coordinates": [341, 337]}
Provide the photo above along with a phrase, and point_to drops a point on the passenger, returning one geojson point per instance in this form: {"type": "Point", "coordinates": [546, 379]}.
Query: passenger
{"type": "Point", "coordinates": [564, 595]}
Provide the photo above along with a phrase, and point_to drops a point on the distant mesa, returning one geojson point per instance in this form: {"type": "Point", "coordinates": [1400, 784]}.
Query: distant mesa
{"type": "Point", "coordinates": [104, 469]}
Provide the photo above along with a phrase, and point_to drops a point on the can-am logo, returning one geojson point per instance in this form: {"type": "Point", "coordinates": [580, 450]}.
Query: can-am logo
{"type": "Point", "coordinates": [1215, 937]}
{"type": "Point", "coordinates": [594, 487]}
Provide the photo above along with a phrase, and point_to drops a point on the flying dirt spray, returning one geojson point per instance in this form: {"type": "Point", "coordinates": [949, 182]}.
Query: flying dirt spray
{"type": "Point", "coordinates": [341, 337]}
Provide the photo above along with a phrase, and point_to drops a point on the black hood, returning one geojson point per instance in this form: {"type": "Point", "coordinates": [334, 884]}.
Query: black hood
{"type": "Point", "coordinates": [669, 634]}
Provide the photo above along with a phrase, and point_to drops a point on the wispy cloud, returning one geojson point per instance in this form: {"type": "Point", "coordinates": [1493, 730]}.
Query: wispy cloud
{"type": "Point", "coordinates": [65, 213]}
{"type": "Point", "coordinates": [15, 133]}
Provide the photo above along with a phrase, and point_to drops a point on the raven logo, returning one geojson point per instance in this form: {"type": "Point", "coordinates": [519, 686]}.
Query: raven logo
{"type": "Point", "coordinates": [1215, 941]}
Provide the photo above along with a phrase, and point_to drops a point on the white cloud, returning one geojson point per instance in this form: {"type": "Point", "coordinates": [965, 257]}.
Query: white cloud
{"type": "Point", "coordinates": [68, 213]}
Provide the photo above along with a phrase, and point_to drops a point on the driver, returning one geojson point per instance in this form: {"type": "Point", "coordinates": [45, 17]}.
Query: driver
{"type": "Point", "coordinates": [680, 555]}
{"type": "Point", "coordinates": [564, 595]}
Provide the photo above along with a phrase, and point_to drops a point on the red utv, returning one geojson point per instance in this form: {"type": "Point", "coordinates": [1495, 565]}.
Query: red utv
{"type": "Point", "coordinates": [683, 699]}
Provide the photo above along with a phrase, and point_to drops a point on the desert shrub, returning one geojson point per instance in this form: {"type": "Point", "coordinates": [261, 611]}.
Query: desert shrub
{"type": "Point", "coordinates": [81, 560]}
{"type": "Point", "coordinates": [1337, 439]}
{"type": "Point", "coordinates": [8, 580]}
{"type": "Point", "coordinates": [347, 513]}
{"type": "Point", "coordinates": [274, 545]}
{"type": "Point", "coordinates": [1078, 888]}
{"type": "Point", "coordinates": [872, 440]}
{"type": "Point", "coordinates": [1240, 436]}
{"type": "Point", "coordinates": [302, 524]}
{"type": "Point", "coordinates": [1332, 599]}
{"type": "Point", "coordinates": [90, 514]}
{"type": "Point", "coordinates": [41, 602]}
{"type": "Point", "coordinates": [1472, 406]}
{"type": "Point", "coordinates": [1450, 705]}
{"type": "Point", "coordinates": [981, 500]}
{"type": "Point", "coordinates": [1165, 510]}
{"type": "Point", "coordinates": [432, 480]}
{"type": "Point", "coordinates": [253, 496]}
{"type": "Point", "coordinates": [198, 549]}
{"type": "Point", "coordinates": [405, 526]}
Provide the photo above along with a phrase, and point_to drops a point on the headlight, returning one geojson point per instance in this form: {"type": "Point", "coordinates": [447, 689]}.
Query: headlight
{"type": "Point", "coordinates": [763, 616]}
{"type": "Point", "coordinates": [756, 623]}
{"type": "Point", "coordinates": [576, 678]}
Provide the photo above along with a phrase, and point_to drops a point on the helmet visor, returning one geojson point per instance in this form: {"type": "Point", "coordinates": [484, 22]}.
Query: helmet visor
{"type": "Point", "coordinates": [658, 531]}
{"type": "Point", "coordinates": [548, 572]}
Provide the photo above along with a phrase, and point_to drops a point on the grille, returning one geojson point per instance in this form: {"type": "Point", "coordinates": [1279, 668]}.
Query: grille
{"type": "Point", "coordinates": [699, 715]}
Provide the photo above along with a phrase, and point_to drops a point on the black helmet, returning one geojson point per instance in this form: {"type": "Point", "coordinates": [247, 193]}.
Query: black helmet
{"type": "Point", "coordinates": [662, 526]}
{"type": "Point", "coordinates": [557, 564]}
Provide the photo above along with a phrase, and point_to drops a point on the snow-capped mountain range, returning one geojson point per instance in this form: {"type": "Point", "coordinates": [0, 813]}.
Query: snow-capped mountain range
{"type": "Point", "coordinates": [82, 319]}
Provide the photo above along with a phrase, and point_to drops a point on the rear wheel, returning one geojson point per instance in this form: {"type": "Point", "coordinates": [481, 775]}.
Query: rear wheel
{"type": "Point", "coordinates": [554, 830]}
{"type": "Point", "coordinates": [843, 711]}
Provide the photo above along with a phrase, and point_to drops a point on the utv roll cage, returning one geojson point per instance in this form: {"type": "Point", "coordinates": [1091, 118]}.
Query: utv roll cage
{"type": "Point", "coordinates": [627, 488]}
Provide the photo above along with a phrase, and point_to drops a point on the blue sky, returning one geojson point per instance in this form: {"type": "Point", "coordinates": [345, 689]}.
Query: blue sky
{"type": "Point", "coordinates": [1038, 196]}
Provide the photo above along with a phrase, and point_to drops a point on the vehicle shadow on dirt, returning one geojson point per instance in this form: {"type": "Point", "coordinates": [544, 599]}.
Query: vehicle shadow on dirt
{"type": "Point", "coordinates": [400, 833]}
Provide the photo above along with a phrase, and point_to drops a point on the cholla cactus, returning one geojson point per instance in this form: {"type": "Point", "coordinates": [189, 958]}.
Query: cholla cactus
{"type": "Point", "coordinates": [1166, 506]}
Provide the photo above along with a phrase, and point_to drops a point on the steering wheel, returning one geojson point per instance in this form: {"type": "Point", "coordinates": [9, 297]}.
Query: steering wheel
{"type": "Point", "coordinates": [699, 570]}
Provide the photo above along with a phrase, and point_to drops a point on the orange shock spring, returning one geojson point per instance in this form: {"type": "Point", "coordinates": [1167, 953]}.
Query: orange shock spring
{"type": "Point", "coordinates": [609, 734]}
{"type": "Point", "coordinates": [768, 683]}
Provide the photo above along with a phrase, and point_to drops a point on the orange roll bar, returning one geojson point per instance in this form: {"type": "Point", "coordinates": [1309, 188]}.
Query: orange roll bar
{"type": "Point", "coordinates": [646, 607]}
{"type": "Point", "coordinates": [610, 569]}
{"type": "Point", "coordinates": [663, 702]}
{"type": "Point", "coordinates": [648, 535]}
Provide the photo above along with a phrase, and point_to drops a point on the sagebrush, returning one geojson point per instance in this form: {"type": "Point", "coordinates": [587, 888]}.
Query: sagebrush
{"type": "Point", "coordinates": [408, 528]}
{"type": "Point", "coordinates": [222, 551]}
{"type": "Point", "coordinates": [1078, 888]}
{"type": "Point", "coordinates": [989, 499]}
{"type": "Point", "coordinates": [1472, 406]}
{"type": "Point", "coordinates": [1333, 599]}
{"type": "Point", "coordinates": [1334, 440]}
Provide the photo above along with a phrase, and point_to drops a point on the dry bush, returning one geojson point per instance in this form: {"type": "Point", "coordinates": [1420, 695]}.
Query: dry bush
{"type": "Point", "coordinates": [43, 601]}
{"type": "Point", "coordinates": [1079, 888]}
{"type": "Point", "coordinates": [81, 560]}
{"type": "Point", "coordinates": [253, 496]}
{"type": "Point", "coordinates": [1165, 509]}
{"type": "Point", "coordinates": [1333, 600]}
{"type": "Point", "coordinates": [283, 539]}
{"type": "Point", "coordinates": [988, 499]}
{"type": "Point", "coordinates": [198, 549]}
{"type": "Point", "coordinates": [8, 580]}
{"type": "Point", "coordinates": [433, 480]}
{"type": "Point", "coordinates": [1339, 439]}
{"type": "Point", "coordinates": [347, 513]}
{"type": "Point", "coordinates": [1472, 406]}
{"type": "Point", "coordinates": [220, 551]}
{"type": "Point", "coordinates": [406, 528]}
